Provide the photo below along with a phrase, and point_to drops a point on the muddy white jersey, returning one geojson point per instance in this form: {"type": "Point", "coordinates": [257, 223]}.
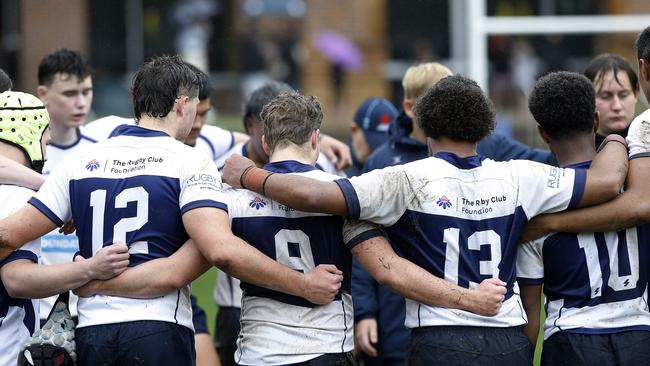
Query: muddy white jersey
{"type": "Point", "coordinates": [57, 248]}
{"type": "Point", "coordinates": [18, 317]}
{"type": "Point", "coordinates": [277, 328]}
{"type": "Point", "coordinates": [213, 141]}
{"type": "Point", "coordinates": [638, 136]}
{"type": "Point", "coordinates": [132, 188]}
{"type": "Point", "coordinates": [227, 291]}
{"type": "Point", "coordinates": [460, 219]}
{"type": "Point", "coordinates": [594, 283]}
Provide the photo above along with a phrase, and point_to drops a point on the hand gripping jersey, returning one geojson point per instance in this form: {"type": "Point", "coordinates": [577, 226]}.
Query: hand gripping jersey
{"type": "Point", "coordinates": [57, 248]}
{"type": "Point", "coordinates": [18, 317]}
{"type": "Point", "coordinates": [460, 219]}
{"type": "Point", "coordinates": [282, 329]}
{"type": "Point", "coordinates": [227, 291]}
{"type": "Point", "coordinates": [132, 188]}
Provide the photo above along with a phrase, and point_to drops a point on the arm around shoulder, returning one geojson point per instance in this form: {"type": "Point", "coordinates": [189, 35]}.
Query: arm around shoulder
{"type": "Point", "coordinates": [607, 173]}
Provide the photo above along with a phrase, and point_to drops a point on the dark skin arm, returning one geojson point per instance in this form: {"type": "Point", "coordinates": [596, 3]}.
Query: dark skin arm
{"type": "Point", "coordinates": [602, 183]}
{"type": "Point", "coordinates": [607, 173]}
{"type": "Point", "coordinates": [630, 208]}
{"type": "Point", "coordinates": [304, 194]}
{"type": "Point", "coordinates": [531, 297]}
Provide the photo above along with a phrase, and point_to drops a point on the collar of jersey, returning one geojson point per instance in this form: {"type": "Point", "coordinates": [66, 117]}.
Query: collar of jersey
{"type": "Point", "coordinates": [288, 166]}
{"type": "Point", "coordinates": [136, 131]}
{"type": "Point", "coordinates": [65, 147]}
{"type": "Point", "coordinates": [583, 165]}
{"type": "Point", "coordinates": [469, 162]}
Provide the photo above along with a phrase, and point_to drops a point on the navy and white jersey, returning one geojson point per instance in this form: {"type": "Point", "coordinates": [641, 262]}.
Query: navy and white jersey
{"type": "Point", "coordinates": [102, 128]}
{"type": "Point", "coordinates": [227, 291]}
{"type": "Point", "coordinates": [637, 136]}
{"type": "Point", "coordinates": [132, 188]}
{"type": "Point", "coordinates": [277, 328]}
{"type": "Point", "coordinates": [594, 283]}
{"type": "Point", "coordinates": [460, 219]}
{"type": "Point", "coordinates": [18, 317]}
{"type": "Point", "coordinates": [322, 163]}
{"type": "Point", "coordinates": [57, 248]}
{"type": "Point", "coordinates": [213, 141]}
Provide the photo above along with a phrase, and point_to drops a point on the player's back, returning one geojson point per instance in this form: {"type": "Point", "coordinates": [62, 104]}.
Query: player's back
{"type": "Point", "coordinates": [594, 283]}
{"type": "Point", "coordinates": [460, 219]}
{"type": "Point", "coordinates": [227, 292]}
{"type": "Point", "coordinates": [132, 188]}
{"type": "Point", "coordinates": [279, 328]}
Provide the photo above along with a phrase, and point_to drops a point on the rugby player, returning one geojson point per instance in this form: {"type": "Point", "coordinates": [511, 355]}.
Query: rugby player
{"type": "Point", "coordinates": [594, 284]}
{"type": "Point", "coordinates": [24, 133]}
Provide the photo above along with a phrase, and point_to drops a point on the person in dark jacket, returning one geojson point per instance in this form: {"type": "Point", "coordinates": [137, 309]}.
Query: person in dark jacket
{"type": "Point", "coordinates": [369, 130]}
{"type": "Point", "coordinates": [617, 91]}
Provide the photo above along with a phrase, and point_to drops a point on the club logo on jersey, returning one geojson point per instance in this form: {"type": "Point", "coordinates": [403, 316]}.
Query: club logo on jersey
{"type": "Point", "coordinates": [257, 203]}
{"type": "Point", "coordinates": [444, 202]}
{"type": "Point", "coordinates": [92, 165]}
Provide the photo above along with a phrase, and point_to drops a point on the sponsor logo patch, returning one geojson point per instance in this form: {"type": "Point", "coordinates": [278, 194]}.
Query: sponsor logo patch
{"type": "Point", "coordinates": [92, 165]}
{"type": "Point", "coordinates": [257, 203]}
{"type": "Point", "coordinates": [444, 202]}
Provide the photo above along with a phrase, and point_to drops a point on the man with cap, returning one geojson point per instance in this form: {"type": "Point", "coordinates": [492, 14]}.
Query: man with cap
{"type": "Point", "coordinates": [369, 130]}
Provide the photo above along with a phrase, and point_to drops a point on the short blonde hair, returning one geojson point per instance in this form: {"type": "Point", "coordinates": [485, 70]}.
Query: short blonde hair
{"type": "Point", "coordinates": [419, 78]}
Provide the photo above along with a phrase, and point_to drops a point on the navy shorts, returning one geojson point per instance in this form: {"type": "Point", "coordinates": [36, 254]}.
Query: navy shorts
{"type": "Point", "coordinates": [145, 342]}
{"type": "Point", "coordinates": [331, 359]}
{"type": "Point", "coordinates": [454, 345]}
{"type": "Point", "coordinates": [226, 331]}
{"type": "Point", "coordinates": [198, 317]}
{"type": "Point", "coordinates": [625, 348]}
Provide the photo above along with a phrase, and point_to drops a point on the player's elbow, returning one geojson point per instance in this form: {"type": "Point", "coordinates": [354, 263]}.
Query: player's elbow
{"type": "Point", "coordinates": [638, 206]}
{"type": "Point", "coordinates": [15, 287]}
{"type": "Point", "coordinates": [386, 277]}
{"type": "Point", "coordinates": [222, 257]}
{"type": "Point", "coordinates": [612, 186]}
{"type": "Point", "coordinates": [173, 282]}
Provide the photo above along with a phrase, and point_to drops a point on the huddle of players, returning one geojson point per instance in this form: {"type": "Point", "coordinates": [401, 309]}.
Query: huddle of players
{"type": "Point", "coordinates": [435, 211]}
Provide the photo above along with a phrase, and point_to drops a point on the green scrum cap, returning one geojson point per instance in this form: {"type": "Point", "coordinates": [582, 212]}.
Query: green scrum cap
{"type": "Point", "coordinates": [23, 119]}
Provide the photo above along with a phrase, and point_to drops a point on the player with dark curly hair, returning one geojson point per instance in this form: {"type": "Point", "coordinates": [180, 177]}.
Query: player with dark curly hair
{"type": "Point", "coordinates": [595, 305]}
{"type": "Point", "coordinates": [443, 112]}
{"type": "Point", "coordinates": [563, 105]}
{"type": "Point", "coordinates": [456, 214]}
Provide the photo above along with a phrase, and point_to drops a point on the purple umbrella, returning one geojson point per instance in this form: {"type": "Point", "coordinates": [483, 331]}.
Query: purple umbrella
{"type": "Point", "coordinates": [339, 50]}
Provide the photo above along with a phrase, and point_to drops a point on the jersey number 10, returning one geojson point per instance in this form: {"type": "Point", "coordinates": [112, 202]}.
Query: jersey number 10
{"type": "Point", "coordinates": [616, 282]}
